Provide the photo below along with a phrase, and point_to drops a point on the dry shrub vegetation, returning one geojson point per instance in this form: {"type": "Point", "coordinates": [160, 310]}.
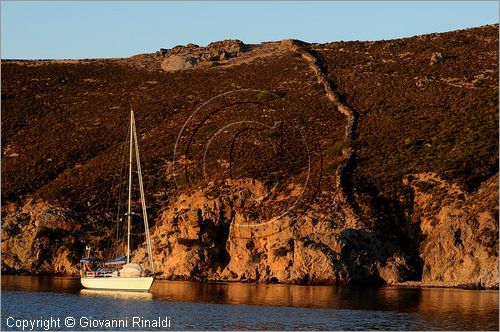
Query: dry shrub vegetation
{"type": "Point", "coordinates": [64, 125]}
{"type": "Point", "coordinates": [448, 124]}
{"type": "Point", "coordinates": [64, 139]}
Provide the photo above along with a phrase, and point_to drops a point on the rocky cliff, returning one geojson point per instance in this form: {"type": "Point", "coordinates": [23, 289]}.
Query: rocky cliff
{"type": "Point", "coordinates": [364, 163]}
{"type": "Point", "coordinates": [459, 231]}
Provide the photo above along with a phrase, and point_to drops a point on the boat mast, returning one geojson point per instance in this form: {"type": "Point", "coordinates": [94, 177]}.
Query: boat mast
{"type": "Point", "coordinates": [143, 201]}
{"type": "Point", "coordinates": [129, 216]}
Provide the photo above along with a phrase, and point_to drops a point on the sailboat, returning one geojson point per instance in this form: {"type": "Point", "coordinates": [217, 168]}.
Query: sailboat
{"type": "Point", "coordinates": [131, 276]}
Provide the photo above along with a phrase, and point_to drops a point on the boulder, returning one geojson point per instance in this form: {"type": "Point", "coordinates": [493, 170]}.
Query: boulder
{"type": "Point", "coordinates": [161, 52]}
{"type": "Point", "coordinates": [177, 62]}
{"type": "Point", "coordinates": [228, 45]}
{"type": "Point", "coordinates": [436, 58]}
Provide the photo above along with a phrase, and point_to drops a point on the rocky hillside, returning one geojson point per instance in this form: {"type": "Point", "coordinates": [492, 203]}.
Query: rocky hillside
{"type": "Point", "coordinates": [347, 162]}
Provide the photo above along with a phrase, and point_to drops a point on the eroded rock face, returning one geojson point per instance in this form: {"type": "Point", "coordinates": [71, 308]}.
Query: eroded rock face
{"type": "Point", "coordinates": [459, 230]}
{"type": "Point", "coordinates": [206, 234]}
{"type": "Point", "coordinates": [40, 238]}
{"type": "Point", "coordinates": [209, 234]}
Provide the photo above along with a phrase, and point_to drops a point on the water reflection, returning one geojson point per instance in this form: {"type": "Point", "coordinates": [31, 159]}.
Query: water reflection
{"type": "Point", "coordinates": [288, 295]}
{"type": "Point", "coordinates": [445, 307]}
{"type": "Point", "coordinates": [117, 294]}
{"type": "Point", "coordinates": [440, 308]}
{"type": "Point", "coordinates": [41, 284]}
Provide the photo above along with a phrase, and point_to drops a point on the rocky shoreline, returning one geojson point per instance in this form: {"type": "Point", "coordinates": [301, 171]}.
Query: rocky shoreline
{"type": "Point", "coordinates": [187, 242]}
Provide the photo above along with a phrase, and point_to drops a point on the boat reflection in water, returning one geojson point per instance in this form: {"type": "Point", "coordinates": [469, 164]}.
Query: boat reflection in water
{"type": "Point", "coordinates": [120, 295]}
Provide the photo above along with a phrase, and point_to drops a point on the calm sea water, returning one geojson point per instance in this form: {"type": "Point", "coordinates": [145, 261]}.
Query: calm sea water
{"type": "Point", "coordinates": [235, 306]}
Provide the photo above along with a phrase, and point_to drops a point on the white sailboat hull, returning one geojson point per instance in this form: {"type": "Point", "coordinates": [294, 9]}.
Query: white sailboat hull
{"type": "Point", "coordinates": [141, 284]}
